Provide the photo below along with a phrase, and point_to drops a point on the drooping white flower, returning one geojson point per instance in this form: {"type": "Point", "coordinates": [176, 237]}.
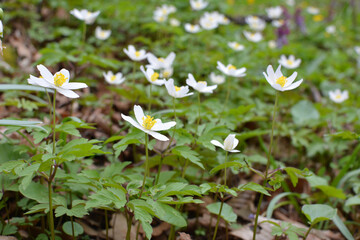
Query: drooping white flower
{"type": "Point", "coordinates": [192, 28]}
{"type": "Point", "coordinates": [231, 70]}
{"type": "Point", "coordinates": [59, 81]}
{"type": "Point", "coordinates": [253, 37]}
{"type": "Point", "coordinates": [198, 5]}
{"type": "Point", "coordinates": [255, 23]}
{"type": "Point", "coordinates": [290, 62]}
{"type": "Point", "coordinates": [217, 79]}
{"type": "Point", "coordinates": [331, 29]}
{"type": "Point", "coordinates": [102, 34]}
{"type": "Point", "coordinates": [148, 124]}
{"type": "Point", "coordinates": [274, 12]}
{"type": "Point", "coordinates": [166, 72]}
{"type": "Point", "coordinates": [1, 29]}
{"type": "Point", "coordinates": [152, 76]}
{"type": "Point", "coordinates": [174, 22]}
{"type": "Point", "coordinates": [338, 96]}
{"type": "Point", "coordinates": [272, 44]}
{"type": "Point", "coordinates": [208, 22]}
{"type": "Point", "coordinates": [85, 15]}
{"type": "Point", "coordinates": [312, 10]}
{"type": "Point", "coordinates": [200, 86]}
{"type": "Point", "coordinates": [160, 63]}
{"type": "Point", "coordinates": [278, 23]}
{"type": "Point", "coordinates": [278, 81]}
{"type": "Point", "coordinates": [114, 79]}
{"type": "Point", "coordinates": [177, 92]}
{"type": "Point", "coordinates": [134, 54]}
{"type": "Point", "coordinates": [229, 145]}
{"type": "Point", "coordinates": [236, 46]}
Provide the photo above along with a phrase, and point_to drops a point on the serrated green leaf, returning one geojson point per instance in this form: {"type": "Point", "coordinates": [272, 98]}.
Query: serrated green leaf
{"type": "Point", "coordinates": [227, 165]}
{"type": "Point", "coordinates": [187, 153]}
{"type": "Point", "coordinates": [318, 212]}
{"type": "Point", "coordinates": [227, 213]}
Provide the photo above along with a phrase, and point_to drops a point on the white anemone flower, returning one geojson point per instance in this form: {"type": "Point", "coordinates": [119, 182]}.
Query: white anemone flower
{"type": "Point", "coordinates": [272, 44]}
{"type": "Point", "coordinates": [160, 63]}
{"type": "Point", "coordinates": [166, 9]}
{"type": "Point", "coordinates": [134, 54]}
{"type": "Point", "coordinates": [253, 37]}
{"type": "Point", "coordinates": [59, 81]}
{"type": "Point", "coordinates": [102, 34]}
{"type": "Point", "coordinates": [148, 124]}
{"type": "Point", "coordinates": [229, 145]}
{"type": "Point", "coordinates": [357, 50]}
{"type": "Point", "coordinates": [198, 5]}
{"type": "Point", "coordinates": [236, 46]}
{"type": "Point", "coordinates": [331, 29]}
{"type": "Point", "coordinates": [114, 79]}
{"type": "Point", "coordinates": [174, 22]}
{"type": "Point", "coordinates": [280, 82]}
{"type": "Point", "coordinates": [160, 17]}
{"type": "Point", "coordinates": [85, 15]}
{"type": "Point", "coordinates": [166, 72]}
{"type": "Point", "coordinates": [217, 79]}
{"type": "Point", "coordinates": [177, 92]}
{"type": "Point", "coordinates": [258, 25]}
{"type": "Point", "coordinates": [231, 70]}
{"type": "Point", "coordinates": [338, 96]}
{"type": "Point", "coordinates": [152, 76]}
{"type": "Point", "coordinates": [312, 10]}
{"type": "Point", "coordinates": [208, 22]}
{"type": "Point", "coordinates": [192, 28]}
{"type": "Point", "coordinates": [274, 12]}
{"type": "Point", "coordinates": [290, 62]}
{"type": "Point", "coordinates": [278, 23]}
{"type": "Point", "coordinates": [200, 86]}
{"type": "Point", "coordinates": [291, 3]}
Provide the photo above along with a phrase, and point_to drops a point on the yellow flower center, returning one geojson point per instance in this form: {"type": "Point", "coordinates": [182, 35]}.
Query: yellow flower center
{"type": "Point", "coordinates": [166, 74]}
{"type": "Point", "coordinates": [161, 59]}
{"type": "Point", "coordinates": [281, 81]}
{"type": "Point", "coordinates": [252, 35]}
{"type": "Point", "coordinates": [338, 96]}
{"type": "Point", "coordinates": [198, 4]}
{"type": "Point", "coordinates": [192, 27]}
{"type": "Point", "coordinates": [231, 67]}
{"type": "Point", "coordinates": [203, 82]}
{"type": "Point", "coordinates": [177, 88]}
{"type": "Point", "coordinates": [148, 122]}
{"type": "Point", "coordinates": [137, 54]}
{"type": "Point", "coordinates": [112, 78]}
{"type": "Point", "coordinates": [237, 45]}
{"type": "Point", "coordinates": [154, 77]}
{"type": "Point", "coordinates": [59, 79]}
{"type": "Point", "coordinates": [318, 18]}
{"type": "Point", "coordinates": [102, 34]}
{"type": "Point", "coordinates": [250, 1]}
{"type": "Point", "coordinates": [289, 62]}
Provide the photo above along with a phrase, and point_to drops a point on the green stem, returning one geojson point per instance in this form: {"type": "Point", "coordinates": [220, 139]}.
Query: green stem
{"type": "Point", "coordinates": [225, 170]}
{"type": "Point", "coordinates": [184, 169]}
{"type": "Point", "coordinates": [106, 225]}
{"type": "Point", "coordinates": [227, 94]}
{"type": "Point", "coordinates": [111, 111]}
{"type": "Point", "coordinates": [267, 167]}
{"type": "Point", "coordinates": [198, 120]}
{"type": "Point", "coordinates": [84, 33]}
{"type": "Point", "coordinates": [174, 129]}
{"type": "Point", "coordinates": [72, 227]}
{"type": "Point", "coordinates": [27, 139]}
{"type": "Point", "coordinates": [308, 232]}
{"type": "Point", "coordinates": [129, 222]}
{"type": "Point", "coordinates": [54, 122]}
{"type": "Point", "coordinates": [218, 218]}
{"type": "Point", "coordinates": [149, 107]}
{"type": "Point", "coordinates": [146, 163]}
{"type": "Point", "coordinates": [134, 71]}
{"type": "Point", "coordinates": [51, 216]}
{"type": "Point", "coordinates": [159, 170]}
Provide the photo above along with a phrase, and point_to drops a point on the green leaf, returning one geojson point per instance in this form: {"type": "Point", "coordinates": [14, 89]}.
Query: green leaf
{"type": "Point", "coordinates": [67, 228]}
{"type": "Point", "coordinates": [251, 186]}
{"type": "Point", "coordinates": [23, 87]}
{"type": "Point", "coordinates": [227, 212]}
{"type": "Point", "coordinates": [168, 214]}
{"type": "Point", "coordinates": [77, 211]}
{"type": "Point", "coordinates": [331, 191]}
{"type": "Point", "coordinates": [355, 200]}
{"type": "Point", "coordinates": [303, 112]}
{"type": "Point", "coordinates": [293, 174]}
{"type": "Point", "coordinates": [274, 201]}
{"type": "Point", "coordinates": [8, 229]}
{"type": "Point", "coordinates": [318, 212]}
{"type": "Point", "coordinates": [346, 135]}
{"type": "Point", "coordinates": [187, 153]}
{"type": "Point", "coordinates": [35, 191]}
{"type": "Point", "coordinates": [227, 164]}
{"type": "Point", "coordinates": [21, 123]}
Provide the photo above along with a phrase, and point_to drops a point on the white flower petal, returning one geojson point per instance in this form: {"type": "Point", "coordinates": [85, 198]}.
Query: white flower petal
{"type": "Point", "coordinates": [67, 93]}
{"type": "Point", "coordinates": [45, 73]}
{"type": "Point", "coordinates": [217, 143]}
{"type": "Point", "coordinates": [139, 114]}
{"type": "Point", "coordinates": [159, 126]}
{"type": "Point", "coordinates": [74, 85]}
{"type": "Point", "coordinates": [158, 136]}
{"type": "Point", "coordinates": [132, 122]}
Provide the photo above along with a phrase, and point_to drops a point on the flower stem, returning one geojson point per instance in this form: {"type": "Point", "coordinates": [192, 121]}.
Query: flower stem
{"type": "Point", "coordinates": [54, 121]}
{"type": "Point", "coordinates": [308, 232]}
{"type": "Point", "coordinates": [218, 218]}
{"type": "Point", "coordinates": [174, 129]}
{"type": "Point", "coordinates": [84, 33]}
{"type": "Point", "coordinates": [149, 107]}
{"type": "Point", "coordinates": [51, 216]}
{"type": "Point", "coordinates": [198, 120]}
{"type": "Point", "coordinates": [146, 163]}
{"type": "Point", "coordinates": [225, 170]}
{"type": "Point", "coordinates": [267, 166]}
{"type": "Point", "coordinates": [106, 225]}
{"type": "Point", "coordinates": [159, 170]}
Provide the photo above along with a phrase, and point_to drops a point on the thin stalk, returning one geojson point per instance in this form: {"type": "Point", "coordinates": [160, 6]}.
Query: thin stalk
{"type": "Point", "coordinates": [51, 216]}
{"type": "Point", "coordinates": [134, 71]}
{"type": "Point", "coordinates": [227, 93]}
{"type": "Point", "coordinates": [174, 129]}
{"type": "Point", "coordinates": [308, 232]}
{"type": "Point", "coordinates": [225, 169]}
{"type": "Point", "coordinates": [129, 222]}
{"type": "Point", "coordinates": [146, 163]}
{"type": "Point", "coordinates": [159, 169]}
{"type": "Point", "coordinates": [218, 218]}
{"type": "Point", "coordinates": [72, 227]}
{"type": "Point", "coordinates": [184, 168]}
{"type": "Point", "coordinates": [27, 139]}
{"type": "Point", "coordinates": [267, 167]}
{"type": "Point", "coordinates": [111, 111]}
{"type": "Point", "coordinates": [54, 121]}
{"type": "Point", "coordinates": [149, 106]}
{"type": "Point", "coordinates": [84, 33]}
{"type": "Point", "coordinates": [199, 105]}
{"type": "Point", "coordinates": [106, 225]}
